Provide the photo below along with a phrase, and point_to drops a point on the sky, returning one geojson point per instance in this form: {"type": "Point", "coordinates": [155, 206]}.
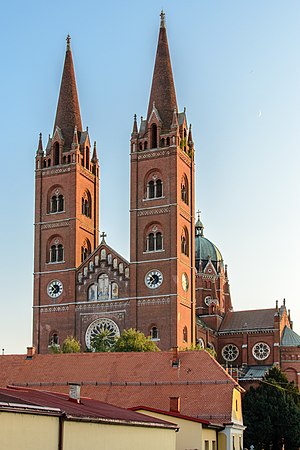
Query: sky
{"type": "Point", "coordinates": [236, 69]}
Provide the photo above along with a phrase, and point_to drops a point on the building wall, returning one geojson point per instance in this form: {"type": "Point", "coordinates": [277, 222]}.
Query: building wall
{"type": "Point", "coordinates": [113, 437]}
{"type": "Point", "coordinates": [28, 431]}
{"type": "Point", "coordinates": [191, 435]}
{"type": "Point", "coordinates": [35, 432]}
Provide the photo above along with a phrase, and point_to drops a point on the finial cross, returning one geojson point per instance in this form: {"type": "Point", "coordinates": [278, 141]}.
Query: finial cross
{"type": "Point", "coordinates": [198, 213]}
{"type": "Point", "coordinates": [103, 236]}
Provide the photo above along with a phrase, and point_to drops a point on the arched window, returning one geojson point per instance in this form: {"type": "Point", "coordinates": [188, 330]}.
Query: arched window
{"type": "Point", "coordinates": [158, 188]}
{"type": "Point", "coordinates": [168, 141]}
{"type": "Point", "coordinates": [56, 154]}
{"type": "Point", "coordinates": [185, 242]}
{"type": "Point", "coordinates": [154, 335]}
{"type": "Point", "coordinates": [154, 188]}
{"type": "Point", "coordinates": [53, 339]}
{"type": "Point", "coordinates": [154, 135]}
{"type": "Point", "coordinates": [145, 145]}
{"type": "Point", "coordinates": [86, 204]}
{"type": "Point", "coordinates": [151, 242]}
{"type": "Point", "coordinates": [185, 334]}
{"type": "Point", "coordinates": [184, 190]}
{"type": "Point", "coordinates": [60, 201]}
{"type": "Point", "coordinates": [87, 158]}
{"type": "Point", "coordinates": [57, 203]}
{"type": "Point", "coordinates": [85, 250]}
{"type": "Point", "coordinates": [53, 253]}
{"type": "Point", "coordinates": [151, 189]}
{"type": "Point", "coordinates": [140, 146]}
{"type": "Point", "coordinates": [56, 252]}
{"type": "Point", "coordinates": [159, 241]}
{"type": "Point", "coordinates": [154, 241]}
{"type": "Point", "coordinates": [162, 142]}
{"type": "Point", "coordinates": [103, 287]}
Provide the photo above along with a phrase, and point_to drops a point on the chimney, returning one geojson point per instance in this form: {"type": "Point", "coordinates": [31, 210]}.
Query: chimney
{"type": "Point", "coordinates": [74, 392]}
{"type": "Point", "coordinates": [175, 357]}
{"type": "Point", "coordinates": [30, 352]}
{"type": "Point", "coordinates": [175, 404]}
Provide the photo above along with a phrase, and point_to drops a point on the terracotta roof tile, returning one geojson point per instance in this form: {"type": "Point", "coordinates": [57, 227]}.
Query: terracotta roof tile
{"type": "Point", "coordinates": [131, 379]}
{"type": "Point", "coordinates": [87, 407]}
{"type": "Point", "coordinates": [248, 320]}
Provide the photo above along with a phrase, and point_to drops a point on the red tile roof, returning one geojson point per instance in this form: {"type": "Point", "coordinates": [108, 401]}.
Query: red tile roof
{"type": "Point", "coordinates": [131, 379]}
{"type": "Point", "coordinates": [178, 415]}
{"type": "Point", "coordinates": [87, 408]}
{"type": "Point", "coordinates": [248, 320]}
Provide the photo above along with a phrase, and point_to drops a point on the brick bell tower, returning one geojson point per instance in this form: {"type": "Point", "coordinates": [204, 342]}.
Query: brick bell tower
{"type": "Point", "coordinates": [162, 279]}
{"type": "Point", "coordinates": [66, 215]}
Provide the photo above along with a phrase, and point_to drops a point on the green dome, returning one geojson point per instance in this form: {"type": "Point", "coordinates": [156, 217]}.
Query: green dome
{"type": "Point", "coordinates": [205, 249]}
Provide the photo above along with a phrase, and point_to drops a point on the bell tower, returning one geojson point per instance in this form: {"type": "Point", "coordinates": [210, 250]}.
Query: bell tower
{"type": "Point", "coordinates": [66, 215]}
{"type": "Point", "coordinates": [162, 213]}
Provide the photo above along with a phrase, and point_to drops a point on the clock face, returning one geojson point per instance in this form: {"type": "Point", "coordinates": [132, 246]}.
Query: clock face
{"type": "Point", "coordinates": [153, 279]}
{"type": "Point", "coordinates": [185, 282]}
{"type": "Point", "coordinates": [55, 288]}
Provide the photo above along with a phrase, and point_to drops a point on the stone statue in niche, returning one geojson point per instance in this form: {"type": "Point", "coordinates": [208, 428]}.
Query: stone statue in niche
{"type": "Point", "coordinates": [92, 292]}
{"type": "Point", "coordinates": [115, 263]}
{"type": "Point", "coordinates": [109, 258]}
{"type": "Point", "coordinates": [103, 254]}
{"type": "Point", "coordinates": [97, 260]}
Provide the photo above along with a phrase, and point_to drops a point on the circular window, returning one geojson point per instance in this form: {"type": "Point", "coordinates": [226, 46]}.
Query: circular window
{"type": "Point", "coordinates": [230, 352]}
{"type": "Point", "coordinates": [99, 326]}
{"type": "Point", "coordinates": [261, 351]}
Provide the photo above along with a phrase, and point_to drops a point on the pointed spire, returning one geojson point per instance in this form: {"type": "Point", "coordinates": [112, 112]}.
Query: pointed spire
{"type": "Point", "coordinates": [199, 225]}
{"type": "Point", "coordinates": [95, 156]}
{"type": "Point", "coordinates": [174, 124]}
{"type": "Point", "coordinates": [40, 150]}
{"type": "Point", "coordinates": [75, 137]}
{"type": "Point", "coordinates": [135, 128]}
{"type": "Point", "coordinates": [68, 110]}
{"type": "Point", "coordinates": [190, 137]}
{"type": "Point", "coordinates": [163, 88]}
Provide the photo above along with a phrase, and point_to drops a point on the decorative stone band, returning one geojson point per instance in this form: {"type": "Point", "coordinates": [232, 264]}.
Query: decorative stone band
{"type": "Point", "coordinates": [101, 306]}
{"type": "Point", "coordinates": [51, 309]}
{"type": "Point", "coordinates": [55, 171]}
{"type": "Point", "coordinates": [156, 154]}
{"type": "Point", "coordinates": [55, 225]}
{"type": "Point", "coordinates": [153, 301]}
{"type": "Point", "coordinates": [151, 212]}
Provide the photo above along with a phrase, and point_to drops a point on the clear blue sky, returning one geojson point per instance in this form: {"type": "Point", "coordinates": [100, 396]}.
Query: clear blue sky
{"type": "Point", "coordinates": [236, 69]}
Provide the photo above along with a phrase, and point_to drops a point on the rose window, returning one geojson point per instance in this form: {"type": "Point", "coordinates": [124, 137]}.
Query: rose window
{"type": "Point", "coordinates": [230, 352]}
{"type": "Point", "coordinates": [261, 351]}
{"type": "Point", "coordinates": [99, 326]}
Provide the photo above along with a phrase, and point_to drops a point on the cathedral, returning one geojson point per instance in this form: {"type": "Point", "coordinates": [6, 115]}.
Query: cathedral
{"type": "Point", "coordinates": [175, 287]}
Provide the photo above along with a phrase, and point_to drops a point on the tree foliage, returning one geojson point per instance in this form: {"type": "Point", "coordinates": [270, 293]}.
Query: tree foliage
{"type": "Point", "coordinates": [130, 341]}
{"type": "Point", "coordinates": [272, 413]}
{"type": "Point", "coordinates": [71, 345]}
{"type": "Point", "coordinates": [103, 342]}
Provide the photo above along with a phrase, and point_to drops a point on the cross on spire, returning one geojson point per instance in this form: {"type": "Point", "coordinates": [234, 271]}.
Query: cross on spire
{"type": "Point", "coordinates": [68, 39]}
{"type": "Point", "coordinates": [198, 214]}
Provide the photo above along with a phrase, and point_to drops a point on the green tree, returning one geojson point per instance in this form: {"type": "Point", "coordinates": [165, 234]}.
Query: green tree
{"type": "Point", "coordinates": [103, 342]}
{"type": "Point", "coordinates": [71, 345]}
{"type": "Point", "coordinates": [272, 413]}
{"type": "Point", "coordinates": [134, 341]}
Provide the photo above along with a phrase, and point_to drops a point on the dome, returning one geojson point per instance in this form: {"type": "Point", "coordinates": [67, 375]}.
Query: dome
{"type": "Point", "coordinates": [205, 249]}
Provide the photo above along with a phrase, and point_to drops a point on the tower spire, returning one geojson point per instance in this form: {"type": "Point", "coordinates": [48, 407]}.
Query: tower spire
{"type": "Point", "coordinates": [68, 111]}
{"type": "Point", "coordinates": [40, 150]}
{"type": "Point", "coordinates": [163, 88]}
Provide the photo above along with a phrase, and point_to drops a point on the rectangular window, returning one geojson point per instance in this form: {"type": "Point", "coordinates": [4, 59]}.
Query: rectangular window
{"type": "Point", "coordinates": [206, 445]}
{"type": "Point", "coordinates": [214, 445]}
